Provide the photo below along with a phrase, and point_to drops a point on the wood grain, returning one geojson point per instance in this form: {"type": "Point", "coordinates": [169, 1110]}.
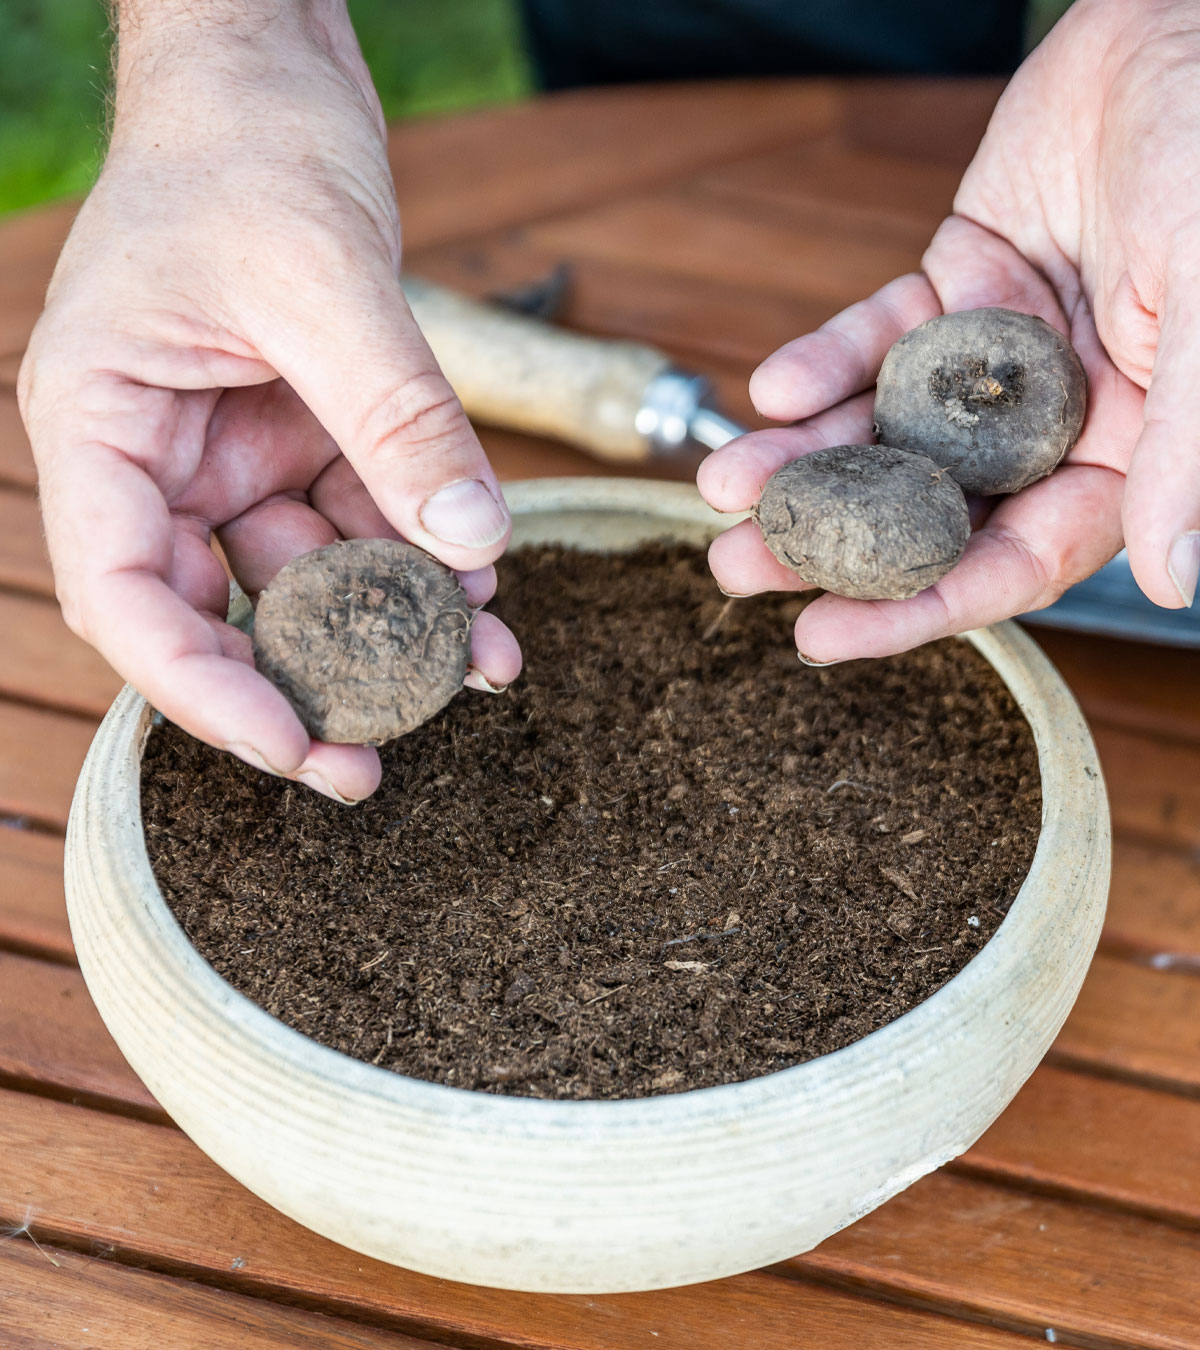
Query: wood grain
{"type": "Point", "coordinates": [42, 661]}
{"type": "Point", "coordinates": [461, 177]}
{"type": "Point", "coordinates": [147, 1191]}
{"type": "Point", "coordinates": [1129, 684]}
{"type": "Point", "coordinates": [1026, 1261]}
{"type": "Point", "coordinates": [40, 757]}
{"type": "Point", "coordinates": [941, 121]}
{"type": "Point", "coordinates": [29, 245]}
{"type": "Point", "coordinates": [681, 232]}
{"type": "Point", "coordinates": [699, 319]}
{"type": "Point", "coordinates": [51, 1035]}
{"type": "Point", "coordinates": [1065, 1130]}
{"type": "Point", "coordinates": [54, 1299]}
{"type": "Point", "coordinates": [1134, 1020]}
{"type": "Point", "coordinates": [16, 458]}
{"type": "Point", "coordinates": [1100, 1140]}
{"type": "Point", "coordinates": [1154, 905]}
{"type": "Point", "coordinates": [23, 561]}
{"type": "Point", "coordinates": [830, 185]}
{"type": "Point", "coordinates": [1153, 785]}
{"type": "Point", "coordinates": [33, 910]}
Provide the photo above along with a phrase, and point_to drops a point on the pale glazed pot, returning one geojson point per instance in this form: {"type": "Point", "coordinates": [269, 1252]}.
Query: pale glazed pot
{"type": "Point", "coordinates": [590, 1196]}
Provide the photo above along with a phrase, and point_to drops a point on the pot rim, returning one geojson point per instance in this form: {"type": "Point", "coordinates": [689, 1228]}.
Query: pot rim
{"type": "Point", "coordinates": [1072, 790]}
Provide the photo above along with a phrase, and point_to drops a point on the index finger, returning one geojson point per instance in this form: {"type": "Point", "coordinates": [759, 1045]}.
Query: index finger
{"type": "Point", "coordinates": [843, 356]}
{"type": "Point", "coordinates": [112, 543]}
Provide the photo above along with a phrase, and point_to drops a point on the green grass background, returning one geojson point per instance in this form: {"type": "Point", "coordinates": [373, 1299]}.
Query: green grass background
{"type": "Point", "coordinates": [426, 56]}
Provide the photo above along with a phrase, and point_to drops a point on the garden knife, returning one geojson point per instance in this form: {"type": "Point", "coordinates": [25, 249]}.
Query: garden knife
{"type": "Point", "coordinates": [626, 402]}
{"type": "Point", "coordinates": [621, 401]}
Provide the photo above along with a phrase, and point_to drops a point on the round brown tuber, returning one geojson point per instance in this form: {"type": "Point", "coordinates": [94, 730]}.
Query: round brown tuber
{"type": "Point", "coordinates": [994, 396]}
{"type": "Point", "coordinates": [365, 638]}
{"type": "Point", "coordinates": [867, 521]}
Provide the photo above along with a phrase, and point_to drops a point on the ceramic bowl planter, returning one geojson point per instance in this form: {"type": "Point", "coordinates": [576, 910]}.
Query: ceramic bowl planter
{"type": "Point", "coordinates": [590, 1196]}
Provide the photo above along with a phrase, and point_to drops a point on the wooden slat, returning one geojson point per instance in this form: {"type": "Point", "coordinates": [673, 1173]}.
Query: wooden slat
{"type": "Point", "coordinates": [685, 233]}
{"type": "Point", "coordinates": [29, 245]}
{"type": "Point", "coordinates": [16, 458]}
{"type": "Point", "coordinates": [1154, 906]}
{"type": "Point", "coordinates": [698, 318]}
{"type": "Point", "coordinates": [43, 661]}
{"type": "Point", "coordinates": [33, 912]}
{"type": "Point", "coordinates": [1100, 1139]}
{"type": "Point", "coordinates": [1134, 1020]}
{"type": "Point", "coordinates": [51, 1035]}
{"type": "Point", "coordinates": [940, 121]}
{"type": "Point", "coordinates": [150, 1193]}
{"type": "Point", "coordinates": [40, 757]}
{"type": "Point", "coordinates": [23, 560]}
{"type": "Point", "coordinates": [1090, 1278]}
{"type": "Point", "coordinates": [1129, 684]}
{"type": "Point", "coordinates": [828, 184]}
{"type": "Point", "coordinates": [1066, 1130]}
{"type": "Point", "coordinates": [1153, 785]}
{"type": "Point", "coordinates": [60, 1300]}
{"type": "Point", "coordinates": [461, 177]}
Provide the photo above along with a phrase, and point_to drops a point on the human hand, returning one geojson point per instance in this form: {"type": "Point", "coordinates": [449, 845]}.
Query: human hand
{"type": "Point", "coordinates": [226, 350]}
{"type": "Point", "coordinates": [1082, 206]}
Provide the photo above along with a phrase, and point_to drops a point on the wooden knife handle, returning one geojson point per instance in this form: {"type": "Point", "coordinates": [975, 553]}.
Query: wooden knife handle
{"type": "Point", "coordinates": [519, 372]}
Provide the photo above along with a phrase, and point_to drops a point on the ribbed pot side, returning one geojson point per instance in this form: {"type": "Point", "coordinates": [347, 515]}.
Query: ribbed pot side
{"type": "Point", "coordinates": [590, 1197]}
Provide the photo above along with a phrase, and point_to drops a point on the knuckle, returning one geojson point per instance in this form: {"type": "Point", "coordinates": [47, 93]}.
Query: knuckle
{"type": "Point", "coordinates": [420, 411]}
{"type": "Point", "coordinates": [74, 612]}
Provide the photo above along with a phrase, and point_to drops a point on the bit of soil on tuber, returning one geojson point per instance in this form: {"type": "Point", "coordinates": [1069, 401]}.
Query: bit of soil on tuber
{"type": "Point", "coordinates": [867, 521]}
{"type": "Point", "coordinates": [365, 638]}
{"type": "Point", "coordinates": [995, 397]}
{"type": "Point", "coordinates": [670, 857]}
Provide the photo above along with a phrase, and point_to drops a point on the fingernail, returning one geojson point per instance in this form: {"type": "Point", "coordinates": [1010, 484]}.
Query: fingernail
{"type": "Point", "coordinates": [808, 661]}
{"type": "Point", "coordinates": [1183, 564]}
{"type": "Point", "coordinates": [465, 513]}
{"type": "Point", "coordinates": [476, 679]}
{"type": "Point", "coordinates": [250, 755]}
{"type": "Point", "coordinates": [734, 595]}
{"type": "Point", "coordinates": [310, 778]}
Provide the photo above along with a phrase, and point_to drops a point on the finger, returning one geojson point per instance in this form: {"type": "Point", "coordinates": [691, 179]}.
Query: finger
{"type": "Point", "coordinates": [843, 356]}
{"type": "Point", "coordinates": [359, 362]}
{"type": "Point", "coordinates": [478, 586]}
{"type": "Point", "coordinates": [269, 535]}
{"type": "Point", "coordinates": [495, 655]}
{"type": "Point", "coordinates": [970, 267]}
{"type": "Point", "coordinates": [732, 478]}
{"type": "Point", "coordinates": [1162, 496]}
{"type": "Point", "coordinates": [1030, 551]}
{"type": "Point", "coordinates": [111, 542]}
{"type": "Point", "coordinates": [345, 773]}
{"type": "Point", "coordinates": [743, 565]}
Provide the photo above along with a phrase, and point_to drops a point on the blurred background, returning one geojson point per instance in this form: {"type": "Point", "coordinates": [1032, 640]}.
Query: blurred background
{"type": "Point", "coordinates": [427, 56]}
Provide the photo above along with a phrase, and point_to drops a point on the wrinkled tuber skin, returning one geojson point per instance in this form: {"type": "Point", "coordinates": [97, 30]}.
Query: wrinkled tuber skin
{"type": "Point", "coordinates": [866, 521]}
{"type": "Point", "coordinates": [994, 396]}
{"type": "Point", "coordinates": [365, 638]}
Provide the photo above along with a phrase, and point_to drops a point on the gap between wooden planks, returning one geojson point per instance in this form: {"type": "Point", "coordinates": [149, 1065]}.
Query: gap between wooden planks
{"type": "Point", "coordinates": [55, 1298]}
{"type": "Point", "coordinates": [1065, 1131]}
{"type": "Point", "coordinates": [150, 1194]}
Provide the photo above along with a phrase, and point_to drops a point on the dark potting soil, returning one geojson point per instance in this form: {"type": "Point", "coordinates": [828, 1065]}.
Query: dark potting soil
{"type": "Point", "coordinates": [669, 856]}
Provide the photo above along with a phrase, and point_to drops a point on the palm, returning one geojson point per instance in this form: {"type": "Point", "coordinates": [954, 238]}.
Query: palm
{"type": "Point", "coordinates": [1020, 239]}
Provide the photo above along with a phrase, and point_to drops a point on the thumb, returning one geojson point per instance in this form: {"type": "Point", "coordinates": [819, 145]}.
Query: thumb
{"type": "Point", "coordinates": [1161, 512]}
{"type": "Point", "coordinates": [361, 364]}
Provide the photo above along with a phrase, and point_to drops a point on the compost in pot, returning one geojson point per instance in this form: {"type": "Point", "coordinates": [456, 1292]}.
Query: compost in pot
{"type": "Point", "coordinates": [669, 857]}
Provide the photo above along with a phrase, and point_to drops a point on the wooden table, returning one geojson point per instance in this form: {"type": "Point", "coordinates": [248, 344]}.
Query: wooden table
{"type": "Point", "coordinates": [717, 221]}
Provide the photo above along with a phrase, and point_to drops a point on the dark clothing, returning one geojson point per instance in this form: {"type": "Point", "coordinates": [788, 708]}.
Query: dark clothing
{"type": "Point", "coordinates": [578, 42]}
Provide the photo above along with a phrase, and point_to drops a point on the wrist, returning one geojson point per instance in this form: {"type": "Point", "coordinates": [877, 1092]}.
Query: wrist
{"type": "Point", "coordinates": [156, 31]}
